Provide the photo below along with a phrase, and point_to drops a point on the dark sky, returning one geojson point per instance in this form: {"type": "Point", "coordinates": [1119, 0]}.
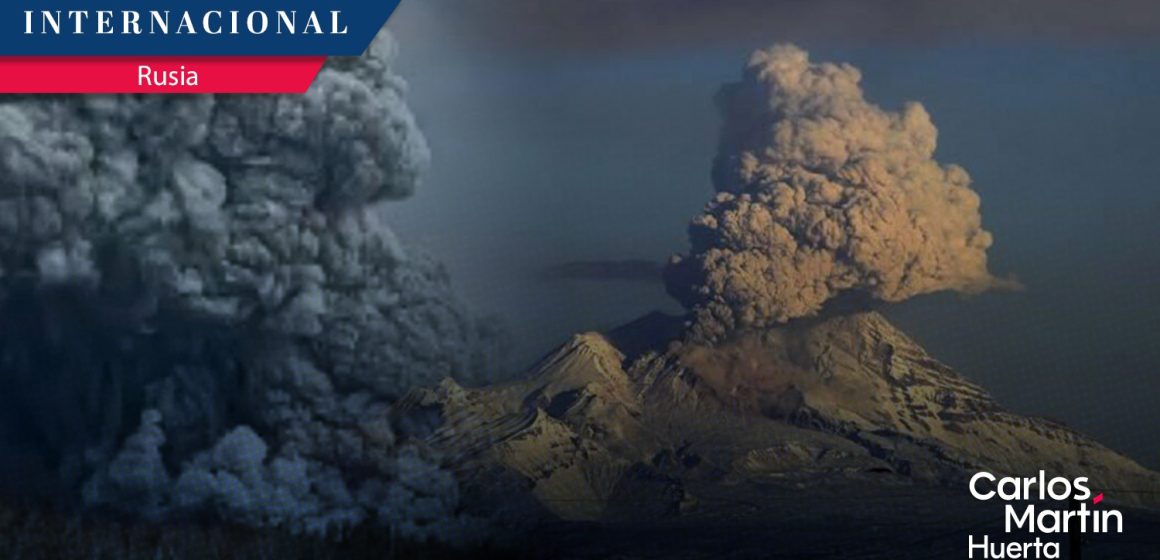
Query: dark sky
{"type": "Point", "coordinates": [563, 133]}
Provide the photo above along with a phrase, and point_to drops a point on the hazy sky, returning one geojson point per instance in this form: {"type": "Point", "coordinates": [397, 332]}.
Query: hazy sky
{"type": "Point", "coordinates": [570, 138]}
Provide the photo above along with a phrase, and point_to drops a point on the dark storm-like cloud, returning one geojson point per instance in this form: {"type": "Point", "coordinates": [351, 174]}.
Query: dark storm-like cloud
{"type": "Point", "coordinates": [220, 267]}
{"type": "Point", "coordinates": [617, 24]}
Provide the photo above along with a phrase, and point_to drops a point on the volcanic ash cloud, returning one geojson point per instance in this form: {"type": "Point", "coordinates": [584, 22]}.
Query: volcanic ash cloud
{"type": "Point", "coordinates": [220, 267]}
{"type": "Point", "coordinates": [821, 193]}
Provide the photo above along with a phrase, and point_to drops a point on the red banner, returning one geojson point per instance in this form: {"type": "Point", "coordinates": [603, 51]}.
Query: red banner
{"type": "Point", "coordinates": [158, 74]}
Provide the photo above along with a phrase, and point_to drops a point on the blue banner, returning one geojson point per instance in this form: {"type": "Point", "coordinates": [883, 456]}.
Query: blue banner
{"type": "Point", "coordinates": [191, 28]}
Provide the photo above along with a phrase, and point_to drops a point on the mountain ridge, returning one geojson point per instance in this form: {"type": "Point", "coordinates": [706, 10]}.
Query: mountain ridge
{"type": "Point", "coordinates": [836, 399]}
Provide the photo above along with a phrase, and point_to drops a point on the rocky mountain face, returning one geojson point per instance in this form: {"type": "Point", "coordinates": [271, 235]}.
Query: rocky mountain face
{"type": "Point", "coordinates": [611, 426]}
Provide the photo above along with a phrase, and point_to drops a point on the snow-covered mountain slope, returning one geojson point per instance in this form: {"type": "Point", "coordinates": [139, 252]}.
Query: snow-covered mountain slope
{"type": "Point", "coordinates": [610, 425]}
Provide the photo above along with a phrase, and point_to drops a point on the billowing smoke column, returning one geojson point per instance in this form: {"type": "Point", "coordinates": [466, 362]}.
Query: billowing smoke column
{"type": "Point", "coordinates": [821, 194]}
{"type": "Point", "coordinates": [218, 268]}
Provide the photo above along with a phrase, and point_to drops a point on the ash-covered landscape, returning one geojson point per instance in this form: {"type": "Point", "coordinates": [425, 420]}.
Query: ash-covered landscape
{"type": "Point", "coordinates": [227, 330]}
